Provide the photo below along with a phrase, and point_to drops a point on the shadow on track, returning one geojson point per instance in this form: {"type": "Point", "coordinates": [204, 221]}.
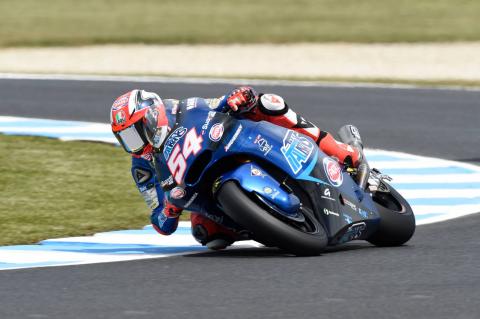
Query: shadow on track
{"type": "Point", "coordinates": [266, 252]}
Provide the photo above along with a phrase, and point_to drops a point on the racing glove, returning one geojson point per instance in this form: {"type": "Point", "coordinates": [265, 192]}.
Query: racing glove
{"type": "Point", "coordinates": [242, 99]}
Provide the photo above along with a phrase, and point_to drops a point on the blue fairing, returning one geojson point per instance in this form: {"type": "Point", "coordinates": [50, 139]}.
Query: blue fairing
{"type": "Point", "coordinates": [204, 140]}
{"type": "Point", "coordinates": [253, 178]}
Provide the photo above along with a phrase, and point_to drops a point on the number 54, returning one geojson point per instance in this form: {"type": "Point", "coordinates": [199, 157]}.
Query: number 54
{"type": "Point", "coordinates": [177, 163]}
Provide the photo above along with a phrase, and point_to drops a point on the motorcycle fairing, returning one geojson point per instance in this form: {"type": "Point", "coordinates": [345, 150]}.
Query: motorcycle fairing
{"type": "Point", "coordinates": [295, 154]}
{"type": "Point", "coordinates": [253, 179]}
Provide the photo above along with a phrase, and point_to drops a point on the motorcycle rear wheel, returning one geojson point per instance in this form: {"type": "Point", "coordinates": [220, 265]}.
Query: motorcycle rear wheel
{"type": "Point", "coordinates": [397, 221]}
{"type": "Point", "coordinates": [267, 228]}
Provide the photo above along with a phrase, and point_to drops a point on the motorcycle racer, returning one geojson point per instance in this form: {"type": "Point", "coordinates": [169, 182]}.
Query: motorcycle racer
{"type": "Point", "coordinates": [141, 122]}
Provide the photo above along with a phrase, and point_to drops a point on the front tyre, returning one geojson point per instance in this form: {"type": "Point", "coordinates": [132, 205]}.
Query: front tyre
{"type": "Point", "coordinates": [304, 240]}
{"type": "Point", "coordinates": [397, 221]}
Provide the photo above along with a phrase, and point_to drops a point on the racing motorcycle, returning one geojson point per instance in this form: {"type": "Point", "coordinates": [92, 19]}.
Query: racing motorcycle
{"type": "Point", "coordinates": [276, 183]}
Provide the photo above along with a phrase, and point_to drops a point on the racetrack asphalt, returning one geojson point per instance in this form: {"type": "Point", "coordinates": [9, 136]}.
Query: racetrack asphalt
{"type": "Point", "coordinates": [431, 122]}
{"type": "Point", "coordinates": [435, 276]}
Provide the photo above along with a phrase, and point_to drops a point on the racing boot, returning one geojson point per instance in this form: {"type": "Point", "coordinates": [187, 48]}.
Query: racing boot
{"type": "Point", "coordinates": [350, 135]}
{"type": "Point", "coordinates": [210, 234]}
{"type": "Point", "coordinates": [350, 155]}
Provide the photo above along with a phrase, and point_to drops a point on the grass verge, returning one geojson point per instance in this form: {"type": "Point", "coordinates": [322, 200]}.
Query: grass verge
{"type": "Point", "coordinates": [50, 188]}
{"type": "Point", "coordinates": [72, 22]}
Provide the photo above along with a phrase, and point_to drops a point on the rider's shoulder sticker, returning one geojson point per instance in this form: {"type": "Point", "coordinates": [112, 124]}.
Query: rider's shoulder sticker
{"type": "Point", "coordinates": [141, 175]}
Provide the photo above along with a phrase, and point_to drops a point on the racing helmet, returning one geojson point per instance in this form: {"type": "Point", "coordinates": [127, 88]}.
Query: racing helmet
{"type": "Point", "coordinates": [138, 119]}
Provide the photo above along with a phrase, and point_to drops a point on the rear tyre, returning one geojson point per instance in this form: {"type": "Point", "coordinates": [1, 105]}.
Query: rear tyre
{"type": "Point", "coordinates": [302, 240]}
{"type": "Point", "coordinates": [397, 221]}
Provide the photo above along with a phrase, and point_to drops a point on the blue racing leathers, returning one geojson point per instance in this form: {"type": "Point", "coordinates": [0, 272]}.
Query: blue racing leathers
{"type": "Point", "coordinates": [165, 215]}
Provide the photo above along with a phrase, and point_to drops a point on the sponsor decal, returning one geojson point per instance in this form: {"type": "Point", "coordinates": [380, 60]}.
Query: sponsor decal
{"type": "Point", "coordinates": [354, 232]}
{"type": "Point", "coordinates": [214, 103]}
{"type": "Point", "coordinates": [256, 172]}
{"type": "Point", "coordinates": [162, 218]}
{"type": "Point", "coordinates": [329, 212]}
{"type": "Point", "coordinates": [210, 116]}
{"type": "Point", "coordinates": [190, 201]}
{"type": "Point", "coordinates": [333, 171]}
{"type": "Point", "coordinates": [120, 117]}
{"type": "Point", "coordinates": [355, 132]}
{"type": "Point", "coordinates": [347, 218]}
{"type": "Point", "coordinates": [349, 204]}
{"type": "Point", "coordinates": [296, 149]}
{"type": "Point", "coordinates": [275, 194]}
{"type": "Point", "coordinates": [191, 103]}
{"type": "Point", "coordinates": [121, 101]}
{"type": "Point", "coordinates": [271, 192]}
{"type": "Point", "coordinates": [177, 193]}
{"type": "Point", "coordinates": [141, 175]}
{"type": "Point", "coordinates": [216, 132]}
{"type": "Point", "coordinates": [234, 138]}
{"type": "Point", "coordinates": [147, 156]}
{"type": "Point", "coordinates": [363, 213]}
{"type": "Point", "coordinates": [167, 182]}
{"type": "Point", "coordinates": [173, 140]}
{"type": "Point", "coordinates": [327, 194]}
{"type": "Point", "coordinates": [177, 162]}
{"type": "Point", "coordinates": [263, 144]}
{"type": "Point", "coordinates": [149, 194]}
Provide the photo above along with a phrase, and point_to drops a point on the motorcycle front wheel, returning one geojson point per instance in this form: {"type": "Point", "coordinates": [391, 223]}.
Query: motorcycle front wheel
{"type": "Point", "coordinates": [302, 239]}
{"type": "Point", "coordinates": [397, 221]}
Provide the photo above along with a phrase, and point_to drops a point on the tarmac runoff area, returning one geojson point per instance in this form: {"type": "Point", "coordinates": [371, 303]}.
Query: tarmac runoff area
{"type": "Point", "coordinates": [424, 61]}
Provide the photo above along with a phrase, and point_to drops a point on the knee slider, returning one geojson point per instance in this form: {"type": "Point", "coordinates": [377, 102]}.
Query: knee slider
{"type": "Point", "coordinates": [272, 104]}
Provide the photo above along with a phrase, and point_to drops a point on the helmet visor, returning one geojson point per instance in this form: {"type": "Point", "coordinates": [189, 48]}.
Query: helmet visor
{"type": "Point", "coordinates": [131, 141]}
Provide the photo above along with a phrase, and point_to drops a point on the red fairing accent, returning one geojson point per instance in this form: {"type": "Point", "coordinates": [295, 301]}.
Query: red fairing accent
{"type": "Point", "coordinates": [339, 150]}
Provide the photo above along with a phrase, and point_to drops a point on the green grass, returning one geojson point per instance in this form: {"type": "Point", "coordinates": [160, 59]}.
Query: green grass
{"type": "Point", "coordinates": [50, 188]}
{"type": "Point", "coordinates": [72, 22]}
